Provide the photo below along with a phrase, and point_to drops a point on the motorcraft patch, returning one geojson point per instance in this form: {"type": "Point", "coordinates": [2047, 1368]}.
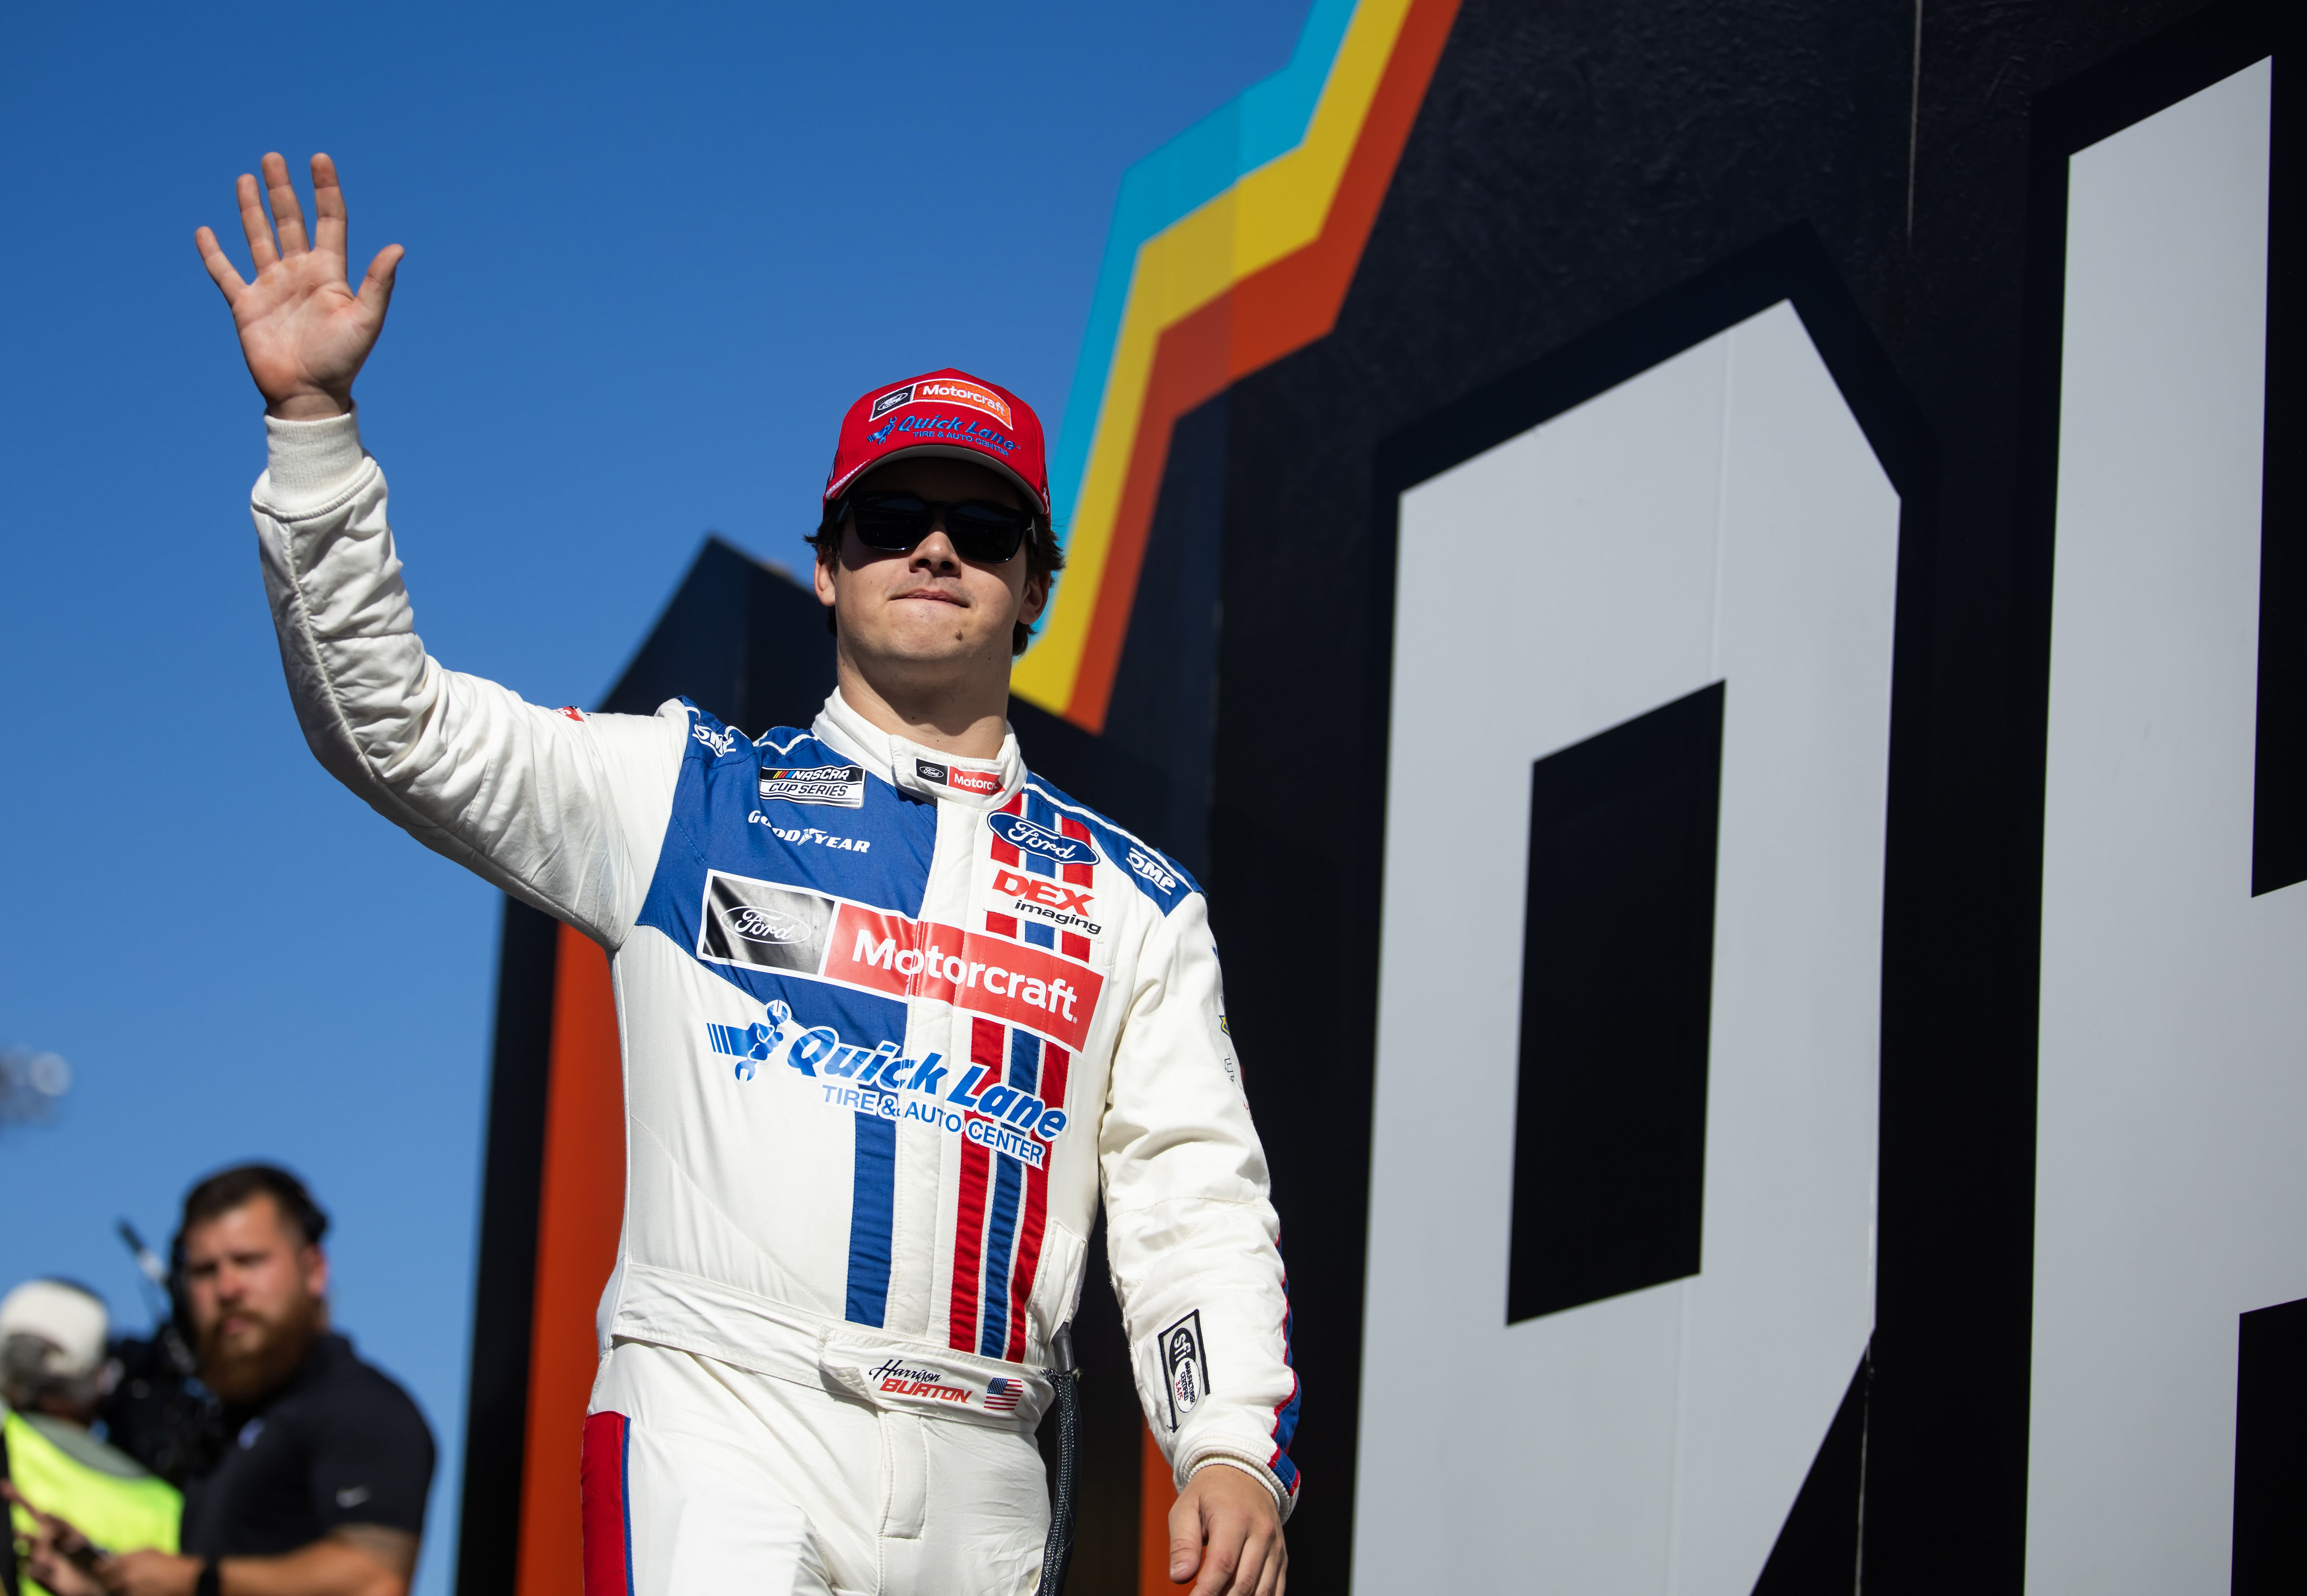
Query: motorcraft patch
{"type": "Point", "coordinates": [1185, 1367]}
{"type": "Point", "coordinates": [843, 786]}
{"type": "Point", "coordinates": [769, 927]}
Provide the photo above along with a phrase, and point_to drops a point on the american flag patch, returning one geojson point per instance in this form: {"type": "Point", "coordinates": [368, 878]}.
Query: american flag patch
{"type": "Point", "coordinates": [1002, 1396]}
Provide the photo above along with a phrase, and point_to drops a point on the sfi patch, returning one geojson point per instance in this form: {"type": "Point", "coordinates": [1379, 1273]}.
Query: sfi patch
{"type": "Point", "coordinates": [1185, 1367]}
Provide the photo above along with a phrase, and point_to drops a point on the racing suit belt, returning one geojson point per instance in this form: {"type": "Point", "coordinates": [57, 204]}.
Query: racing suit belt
{"type": "Point", "coordinates": [895, 1373]}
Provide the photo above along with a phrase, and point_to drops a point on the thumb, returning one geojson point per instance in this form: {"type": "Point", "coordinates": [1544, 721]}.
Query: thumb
{"type": "Point", "coordinates": [376, 287]}
{"type": "Point", "coordinates": [1185, 1539]}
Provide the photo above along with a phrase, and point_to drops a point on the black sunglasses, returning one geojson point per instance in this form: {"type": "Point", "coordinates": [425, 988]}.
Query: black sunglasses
{"type": "Point", "coordinates": [978, 529]}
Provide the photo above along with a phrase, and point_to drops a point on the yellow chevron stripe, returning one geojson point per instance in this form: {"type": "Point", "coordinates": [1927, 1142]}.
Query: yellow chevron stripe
{"type": "Point", "coordinates": [1271, 213]}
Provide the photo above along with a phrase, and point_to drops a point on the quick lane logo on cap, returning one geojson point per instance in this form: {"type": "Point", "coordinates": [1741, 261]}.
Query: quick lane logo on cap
{"type": "Point", "coordinates": [843, 786]}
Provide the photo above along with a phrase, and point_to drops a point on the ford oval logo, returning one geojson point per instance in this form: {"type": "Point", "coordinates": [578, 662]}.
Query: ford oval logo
{"type": "Point", "coordinates": [1023, 834]}
{"type": "Point", "coordinates": [764, 925]}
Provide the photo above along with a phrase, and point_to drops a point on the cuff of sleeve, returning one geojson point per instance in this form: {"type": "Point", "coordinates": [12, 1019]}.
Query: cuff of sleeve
{"type": "Point", "coordinates": [1263, 1476]}
{"type": "Point", "coordinates": [309, 463]}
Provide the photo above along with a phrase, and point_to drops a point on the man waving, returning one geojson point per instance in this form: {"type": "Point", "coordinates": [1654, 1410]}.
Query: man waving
{"type": "Point", "coordinates": [893, 1010]}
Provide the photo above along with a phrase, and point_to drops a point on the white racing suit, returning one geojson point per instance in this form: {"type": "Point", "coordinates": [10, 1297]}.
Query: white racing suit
{"type": "Point", "coordinates": [888, 1018]}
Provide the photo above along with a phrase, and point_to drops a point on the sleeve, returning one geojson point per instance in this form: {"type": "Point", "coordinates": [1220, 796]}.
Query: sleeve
{"type": "Point", "coordinates": [1190, 1228]}
{"type": "Point", "coordinates": [371, 1461]}
{"type": "Point", "coordinates": [565, 811]}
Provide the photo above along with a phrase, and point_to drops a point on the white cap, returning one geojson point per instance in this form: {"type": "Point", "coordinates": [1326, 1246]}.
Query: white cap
{"type": "Point", "coordinates": [71, 1321]}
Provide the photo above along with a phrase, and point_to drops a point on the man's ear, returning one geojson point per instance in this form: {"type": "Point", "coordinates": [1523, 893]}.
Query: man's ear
{"type": "Point", "coordinates": [821, 575]}
{"type": "Point", "coordinates": [314, 1267]}
{"type": "Point", "coordinates": [1035, 598]}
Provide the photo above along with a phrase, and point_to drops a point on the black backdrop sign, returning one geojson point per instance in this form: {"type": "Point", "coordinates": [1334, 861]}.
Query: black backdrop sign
{"type": "Point", "coordinates": [1590, 190]}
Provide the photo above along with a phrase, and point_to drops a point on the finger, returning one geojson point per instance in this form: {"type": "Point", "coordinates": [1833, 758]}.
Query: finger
{"type": "Point", "coordinates": [1220, 1559]}
{"type": "Point", "coordinates": [255, 225]}
{"type": "Point", "coordinates": [1185, 1539]}
{"type": "Point", "coordinates": [219, 265]}
{"type": "Point", "coordinates": [50, 1525]}
{"type": "Point", "coordinates": [1277, 1562]}
{"type": "Point", "coordinates": [280, 195]}
{"type": "Point", "coordinates": [1223, 1534]}
{"type": "Point", "coordinates": [329, 218]}
{"type": "Point", "coordinates": [1253, 1570]}
{"type": "Point", "coordinates": [376, 287]}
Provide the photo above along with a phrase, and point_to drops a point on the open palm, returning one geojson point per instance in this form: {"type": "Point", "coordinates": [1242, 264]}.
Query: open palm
{"type": "Point", "coordinates": [303, 331]}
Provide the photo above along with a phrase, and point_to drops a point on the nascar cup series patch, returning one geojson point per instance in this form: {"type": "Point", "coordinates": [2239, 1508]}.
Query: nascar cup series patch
{"type": "Point", "coordinates": [843, 786]}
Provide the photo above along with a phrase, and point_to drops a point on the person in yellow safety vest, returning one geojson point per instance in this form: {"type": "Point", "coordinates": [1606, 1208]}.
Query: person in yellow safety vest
{"type": "Point", "coordinates": [53, 1370]}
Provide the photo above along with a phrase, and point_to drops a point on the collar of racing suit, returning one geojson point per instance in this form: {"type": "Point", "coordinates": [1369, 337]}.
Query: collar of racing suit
{"type": "Point", "coordinates": [913, 768]}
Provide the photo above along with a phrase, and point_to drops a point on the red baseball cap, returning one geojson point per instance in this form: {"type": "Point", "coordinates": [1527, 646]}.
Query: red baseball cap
{"type": "Point", "coordinates": [946, 412]}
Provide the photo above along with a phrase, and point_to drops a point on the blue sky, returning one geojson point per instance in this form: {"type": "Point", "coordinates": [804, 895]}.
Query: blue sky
{"type": "Point", "coordinates": [653, 252]}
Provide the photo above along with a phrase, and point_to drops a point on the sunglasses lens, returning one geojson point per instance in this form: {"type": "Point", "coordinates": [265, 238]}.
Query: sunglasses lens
{"type": "Point", "coordinates": [897, 523]}
{"type": "Point", "coordinates": [986, 533]}
{"type": "Point", "coordinates": [891, 522]}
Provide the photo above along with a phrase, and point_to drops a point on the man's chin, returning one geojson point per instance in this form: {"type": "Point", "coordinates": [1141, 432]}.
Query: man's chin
{"type": "Point", "coordinates": [927, 643]}
{"type": "Point", "coordinates": [255, 1366]}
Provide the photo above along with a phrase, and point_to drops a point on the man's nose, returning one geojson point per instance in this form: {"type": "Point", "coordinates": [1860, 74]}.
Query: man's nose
{"type": "Point", "coordinates": [936, 549]}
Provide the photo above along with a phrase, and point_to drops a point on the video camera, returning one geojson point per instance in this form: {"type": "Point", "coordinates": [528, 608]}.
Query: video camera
{"type": "Point", "coordinates": [157, 1411]}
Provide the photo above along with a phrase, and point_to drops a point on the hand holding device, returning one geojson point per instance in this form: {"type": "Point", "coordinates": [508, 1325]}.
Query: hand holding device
{"type": "Point", "coordinates": [60, 1557]}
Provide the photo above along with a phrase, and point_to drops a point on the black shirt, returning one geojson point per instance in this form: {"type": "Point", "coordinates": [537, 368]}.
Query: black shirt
{"type": "Point", "coordinates": [339, 1444]}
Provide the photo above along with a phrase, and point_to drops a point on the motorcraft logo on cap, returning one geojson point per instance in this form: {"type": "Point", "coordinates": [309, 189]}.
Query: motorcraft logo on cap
{"type": "Point", "coordinates": [946, 390]}
{"type": "Point", "coordinates": [843, 786]}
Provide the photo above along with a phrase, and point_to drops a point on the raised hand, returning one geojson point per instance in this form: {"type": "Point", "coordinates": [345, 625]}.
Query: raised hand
{"type": "Point", "coordinates": [303, 330]}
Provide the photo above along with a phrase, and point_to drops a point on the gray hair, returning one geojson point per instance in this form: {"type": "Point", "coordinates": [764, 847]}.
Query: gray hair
{"type": "Point", "coordinates": [34, 1369]}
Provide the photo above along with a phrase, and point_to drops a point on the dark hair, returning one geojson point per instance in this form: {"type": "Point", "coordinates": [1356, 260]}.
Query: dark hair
{"type": "Point", "coordinates": [228, 1189]}
{"type": "Point", "coordinates": [1044, 557]}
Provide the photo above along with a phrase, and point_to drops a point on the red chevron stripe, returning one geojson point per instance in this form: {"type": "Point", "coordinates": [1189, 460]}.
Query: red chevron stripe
{"type": "Point", "coordinates": [986, 1046]}
{"type": "Point", "coordinates": [1051, 1089]}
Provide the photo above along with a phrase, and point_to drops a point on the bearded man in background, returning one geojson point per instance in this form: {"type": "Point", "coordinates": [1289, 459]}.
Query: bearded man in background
{"type": "Point", "coordinates": [321, 1489]}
